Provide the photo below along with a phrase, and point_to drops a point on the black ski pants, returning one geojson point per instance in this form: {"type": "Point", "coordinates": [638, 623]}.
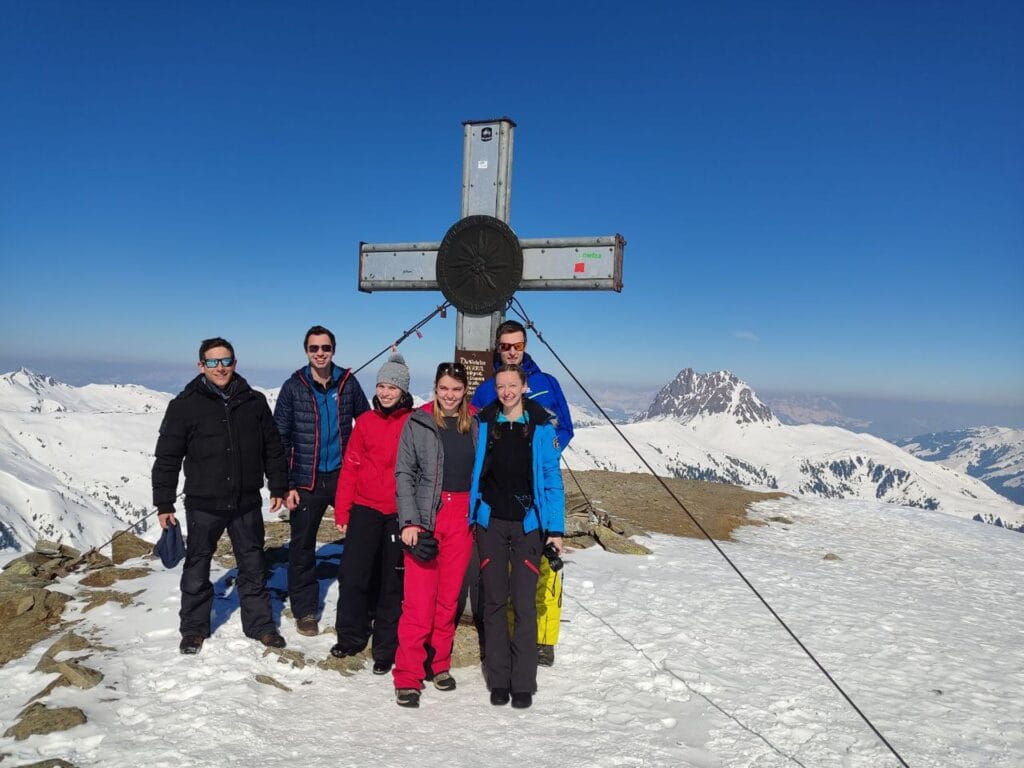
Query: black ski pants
{"type": "Point", "coordinates": [370, 579]}
{"type": "Point", "coordinates": [303, 588]}
{"type": "Point", "coordinates": [245, 530]}
{"type": "Point", "coordinates": [510, 565]}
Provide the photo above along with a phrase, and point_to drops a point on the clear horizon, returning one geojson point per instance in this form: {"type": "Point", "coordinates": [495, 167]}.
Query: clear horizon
{"type": "Point", "coordinates": [819, 199]}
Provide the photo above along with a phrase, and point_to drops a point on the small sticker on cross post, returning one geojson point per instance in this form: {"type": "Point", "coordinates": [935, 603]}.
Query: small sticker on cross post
{"type": "Point", "coordinates": [481, 164]}
{"type": "Point", "coordinates": [579, 266]}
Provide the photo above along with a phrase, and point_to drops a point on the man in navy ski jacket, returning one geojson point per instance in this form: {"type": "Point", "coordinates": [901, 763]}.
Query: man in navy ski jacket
{"type": "Point", "coordinates": [315, 412]}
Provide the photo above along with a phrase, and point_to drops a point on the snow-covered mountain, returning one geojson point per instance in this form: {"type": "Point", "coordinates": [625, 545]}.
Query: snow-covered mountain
{"type": "Point", "coordinates": [691, 394]}
{"type": "Point", "coordinates": [714, 427]}
{"type": "Point", "coordinates": [74, 461]}
{"type": "Point", "coordinates": [994, 455]}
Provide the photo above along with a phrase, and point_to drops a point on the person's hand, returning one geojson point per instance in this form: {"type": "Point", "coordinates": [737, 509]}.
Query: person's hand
{"type": "Point", "coordinates": [410, 535]}
{"type": "Point", "coordinates": [275, 503]}
{"type": "Point", "coordinates": [556, 542]}
{"type": "Point", "coordinates": [292, 500]}
{"type": "Point", "coordinates": [341, 528]}
{"type": "Point", "coordinates": [166, 519]}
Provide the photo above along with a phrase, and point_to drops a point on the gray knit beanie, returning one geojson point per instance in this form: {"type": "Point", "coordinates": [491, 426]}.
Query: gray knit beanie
{"type": "Point", "coordinates": [395, 371]}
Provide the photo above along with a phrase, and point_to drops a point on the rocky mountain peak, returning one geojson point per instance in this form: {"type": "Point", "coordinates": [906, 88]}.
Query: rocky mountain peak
{"type": "Point", "coordinates": [691, 394]}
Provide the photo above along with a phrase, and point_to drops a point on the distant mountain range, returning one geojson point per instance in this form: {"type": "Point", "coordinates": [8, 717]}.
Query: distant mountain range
{"type": "Point", "coordinates": [712, 426]}
{"type": "Point", "coordinates": [994, 455]}
{"type": "Point", "coordinates": [75, 461]}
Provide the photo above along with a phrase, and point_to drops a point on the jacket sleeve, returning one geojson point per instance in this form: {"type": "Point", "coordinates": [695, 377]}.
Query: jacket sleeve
{"type": "Point", "coordinates": [406, 472]}
{"type": "Point", "coordinates": [346, 492]}
{"type": "Point", "coordinates": [484, 394]}
{"type": "Point", "coordinates": [554, 493]}
{"type": "Point", "coordinates": [171, 446]}
{"type": "Point", "coordinates": [561, 408]}
{"type": "Point", "coordinates": [274, 464]}
{"type": "Point", "coordinates": [284, 417]}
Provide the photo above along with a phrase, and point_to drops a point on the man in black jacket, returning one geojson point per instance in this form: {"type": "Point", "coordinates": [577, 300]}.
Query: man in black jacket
{"type": "Point", "coordinates": [224, 432]}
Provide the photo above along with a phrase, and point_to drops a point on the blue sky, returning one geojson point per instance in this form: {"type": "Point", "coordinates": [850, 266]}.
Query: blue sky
{"type": "Point", "coordinates": [820, 197]}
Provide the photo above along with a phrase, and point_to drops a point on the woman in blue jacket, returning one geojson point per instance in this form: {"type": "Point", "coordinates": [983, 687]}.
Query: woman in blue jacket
{"type": "Point", "coordinates": [517, 506]}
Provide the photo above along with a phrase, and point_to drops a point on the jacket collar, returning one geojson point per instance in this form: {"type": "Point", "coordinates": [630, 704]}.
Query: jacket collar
{"type": "Point", "coordinates": [527, 365]}
{"type": "Point", "coordinates": [538, 414]}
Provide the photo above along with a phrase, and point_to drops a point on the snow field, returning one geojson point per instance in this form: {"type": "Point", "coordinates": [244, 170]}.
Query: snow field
{"type": "Point", "coordinates": [664, 660]}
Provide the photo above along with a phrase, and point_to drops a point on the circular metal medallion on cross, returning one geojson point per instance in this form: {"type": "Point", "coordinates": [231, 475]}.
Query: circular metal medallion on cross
{"type": "Point", "coordinates": [479, 264]}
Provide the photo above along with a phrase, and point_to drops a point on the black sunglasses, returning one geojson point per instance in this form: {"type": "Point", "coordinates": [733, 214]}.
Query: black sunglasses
{"type": "Point", "coordinates": [314, 348]}
{"type": "Point", "coordinates": [445, 369]}
{"type": "Point", "coordinates": [213, 362]}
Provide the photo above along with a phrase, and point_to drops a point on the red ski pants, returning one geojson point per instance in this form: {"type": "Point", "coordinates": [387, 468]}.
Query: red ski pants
{"type": "Point", "coordinates": [431, 595]}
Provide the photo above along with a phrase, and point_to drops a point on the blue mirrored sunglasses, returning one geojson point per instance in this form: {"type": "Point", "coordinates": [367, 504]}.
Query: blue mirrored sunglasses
{"type": "Point", "coordinates": [213, 362]}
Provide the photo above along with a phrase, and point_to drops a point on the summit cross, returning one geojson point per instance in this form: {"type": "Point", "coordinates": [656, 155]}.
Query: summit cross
{"type": "Point", "coordinates": [481, 262]}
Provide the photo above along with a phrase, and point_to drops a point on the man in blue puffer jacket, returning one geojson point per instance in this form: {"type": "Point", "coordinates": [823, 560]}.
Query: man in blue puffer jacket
{"type": "Point", "coordinates": [314, 414]}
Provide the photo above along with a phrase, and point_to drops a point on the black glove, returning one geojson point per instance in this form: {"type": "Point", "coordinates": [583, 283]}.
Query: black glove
{"type": "Point", "coordinates": [425, 548]}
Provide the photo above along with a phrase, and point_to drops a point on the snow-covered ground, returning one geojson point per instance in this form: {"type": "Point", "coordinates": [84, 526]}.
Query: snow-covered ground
{"type": "Point", "coordinates": [665, 660]}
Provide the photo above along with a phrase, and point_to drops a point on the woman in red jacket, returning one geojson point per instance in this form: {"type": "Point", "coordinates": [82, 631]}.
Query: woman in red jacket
{"type": "Point", "coordinates": [364, 511]}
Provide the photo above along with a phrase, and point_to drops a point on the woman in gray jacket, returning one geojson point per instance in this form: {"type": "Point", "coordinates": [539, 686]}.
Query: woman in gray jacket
{"type": "Point", "coordinates": [432, 476]}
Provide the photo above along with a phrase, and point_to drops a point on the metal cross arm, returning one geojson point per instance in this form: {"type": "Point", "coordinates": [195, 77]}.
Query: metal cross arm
{"type": "Point", "coordinates": [480, 263]}
{"type": "Point", "coordinates": [549, 264]}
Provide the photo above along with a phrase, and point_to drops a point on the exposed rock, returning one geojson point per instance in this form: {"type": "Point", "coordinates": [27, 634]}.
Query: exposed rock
{"type": "Point", "coordinates": [24, 604]}
{"type": "Point", "coordinates": [57, 682]}
{"type": "Point", "coordinates": [28, 614]}
{"type": "Point", "coordinates": [96, 597]}
{"type": "Point", "coordinates": [466, 648]}
{"type": "Point", "coordinates": [48, 548]}
{"type": "Point", "coordinates": [831, 556]}
{"type": "Point", "coordinates": [69, 641]}
{"type": "Point", "coordinates": [94, 559]}
{"type": "Point", "coordinates": [105, 577]}
{"type": "Point", "coordinates": [127, 545]}
{"type": "Point", "coordinates": [54, 762]}
{"type": "Point", "coordinates": [348, 665]}
{"type": "Point", "coordinates": [288, 656]}
{"type": "Point", "coordinates": [39, 719]}
{"type": "Point", "coordinates": [69, 552]}
{"type": "Point", "coordinates": [613, 542]}
{"type": "Point", "coordinates": [20, 567]}
{"type": "Point", "coordinates": [268, 680]}
{"type": "Point", "coordinates": [79, 675]}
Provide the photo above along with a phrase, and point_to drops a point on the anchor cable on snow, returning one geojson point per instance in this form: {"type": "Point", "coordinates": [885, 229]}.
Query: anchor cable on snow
{"type": "Point", "coordinates": [518, 309]}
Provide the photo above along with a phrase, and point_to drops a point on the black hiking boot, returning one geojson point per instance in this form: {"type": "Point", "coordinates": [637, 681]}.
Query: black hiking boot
{"type": "Point", "coordinates": [407, 697]}
{"type": "Point", "coordinates": [272, 640]}
{"type": "Point", "coordinates": [191, 644]}
{"type": "Point", "coordinates": [499, 696]}
{"type": "Point", "coordinates": [382, 667]}
{"type": "Point", "coordinates": [522, 700]}
{"type": "Point", "coordinates": [307, 626]}
{"type": "Point", "coordinates": [545, 655]}
{"type": "Point", "coordinates": [443, 681]}
{"type": "Point", "coordinates": [340, 651]}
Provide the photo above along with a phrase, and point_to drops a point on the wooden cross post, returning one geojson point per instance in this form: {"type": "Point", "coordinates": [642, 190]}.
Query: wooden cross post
{"type": "Point", "coordinates": [481, 262]}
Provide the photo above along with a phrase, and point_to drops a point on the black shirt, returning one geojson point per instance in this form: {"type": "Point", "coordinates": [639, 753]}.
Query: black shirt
{"type": "Point", "coordinates": [457, 473]}
{"type": "Point", "coordinates": [508, 478]}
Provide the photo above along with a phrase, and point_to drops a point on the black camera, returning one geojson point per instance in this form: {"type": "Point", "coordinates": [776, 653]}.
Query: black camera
{"type": "Point", "coordinates": [554, 561]}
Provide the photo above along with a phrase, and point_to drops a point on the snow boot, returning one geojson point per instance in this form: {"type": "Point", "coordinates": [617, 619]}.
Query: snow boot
{"type": "Point", "coordinates": [407, 697]}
